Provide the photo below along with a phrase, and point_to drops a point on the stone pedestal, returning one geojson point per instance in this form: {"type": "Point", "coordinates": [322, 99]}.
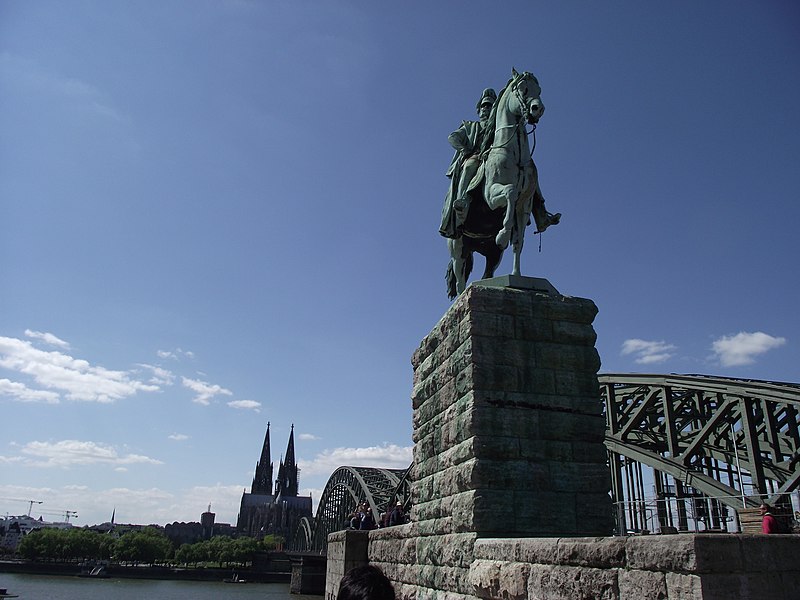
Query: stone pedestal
{"type": "Point", "coordinates": [508, 424]}
{"type": "Point", "coordinates": [346, 550]}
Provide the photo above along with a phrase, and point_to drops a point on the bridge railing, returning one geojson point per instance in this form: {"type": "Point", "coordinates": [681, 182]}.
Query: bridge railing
{"type": "Point", "coordinates": [697, 513]}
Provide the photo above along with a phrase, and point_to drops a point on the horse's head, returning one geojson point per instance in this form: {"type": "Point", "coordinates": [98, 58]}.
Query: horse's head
{"type": "Point", "coordinates": [528, 93]}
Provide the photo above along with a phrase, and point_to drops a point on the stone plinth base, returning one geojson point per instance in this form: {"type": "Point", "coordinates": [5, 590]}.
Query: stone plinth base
{"type": "Point", "coordinates": [308, 575]}
{"type": "Point", "coordinates": [508, 423]}
{"type": "Point", "coordinates": [346, 550]}
{"type": "Point", "coordinates": [675, 567]}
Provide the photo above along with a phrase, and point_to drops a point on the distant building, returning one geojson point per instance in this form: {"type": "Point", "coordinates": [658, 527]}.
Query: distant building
{"type": "Point", "coordinates": [193, 532]}
{"type": "Point", "coordinates": [263, 512]}
{"type": "Point", "coordinates": [13, 529]}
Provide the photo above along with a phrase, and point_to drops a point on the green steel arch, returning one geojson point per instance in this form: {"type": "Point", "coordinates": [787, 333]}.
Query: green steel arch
{"type": "Point", "coordinates": [715, 437]}
{"type": "Point", "coordinates": [346, 489]}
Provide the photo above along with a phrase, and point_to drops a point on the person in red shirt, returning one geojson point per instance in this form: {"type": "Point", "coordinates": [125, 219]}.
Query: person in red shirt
{"type": "Point", "coordinates": [768, 522]}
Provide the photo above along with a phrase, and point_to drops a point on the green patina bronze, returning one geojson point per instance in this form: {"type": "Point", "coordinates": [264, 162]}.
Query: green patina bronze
{"type": "Point", "coordinates": [494, 184]}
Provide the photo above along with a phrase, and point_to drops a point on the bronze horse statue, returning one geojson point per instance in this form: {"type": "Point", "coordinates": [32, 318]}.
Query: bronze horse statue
{"type": "Point", "coordinates": [505, 190]}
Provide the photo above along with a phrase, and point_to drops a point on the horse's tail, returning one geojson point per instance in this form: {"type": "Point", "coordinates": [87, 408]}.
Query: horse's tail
{"type": "Point", "coordinates": [450, 276]}
{"type": "Point", "coordinates": [450, 281]}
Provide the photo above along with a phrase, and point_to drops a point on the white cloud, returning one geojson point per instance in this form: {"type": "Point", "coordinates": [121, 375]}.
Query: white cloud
{"type": "Point", "coordinates": [246, 404]}
{"type": "Point", "coordinates": [47, 338]}
{"type": "Point", "coordinates": [204, 390]}
{"type": "Point", "coordinates": [175, 354]}
{"type": "Point", "coordinates": [67, 453]}
{"type": "Point", "coordinates": [308, 436]}
{"type": "Point", "coordinates": [648, 352]}
{"type": "Point", "coordinates": [388, 456]}
{"type": "Point", "coordinates": [160, 376]}
{"type": "Point", "coordinates": [743, 348]}
{"type": "Point", "coordinates": [178, 437]}
{"type": "Point", "coordinates": [23, 393]}
{"type": "Point", "coordinates": [76, 378]}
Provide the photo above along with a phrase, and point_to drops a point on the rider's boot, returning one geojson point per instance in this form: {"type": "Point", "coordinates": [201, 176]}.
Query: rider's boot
{"type": "Point", "coordinates": [551, 219]}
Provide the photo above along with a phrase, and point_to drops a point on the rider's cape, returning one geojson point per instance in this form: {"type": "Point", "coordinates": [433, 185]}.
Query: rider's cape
{"type": "Point", "coordinates": [467, 140]}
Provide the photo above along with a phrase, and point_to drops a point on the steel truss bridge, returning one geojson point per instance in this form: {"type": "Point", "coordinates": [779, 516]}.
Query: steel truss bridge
{"type": "Point", "coordinates": [346, 489]}
{"type": "Point", "coordinates": [701, 444]}
{"type": "Point", "coordinates": [710, 443]}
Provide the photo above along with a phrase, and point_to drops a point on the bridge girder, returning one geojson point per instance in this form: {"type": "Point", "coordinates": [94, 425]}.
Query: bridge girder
{"type": "Point", "coordinates": [676, 423]}
{"type": "Point", "coordinates": [346, 489]}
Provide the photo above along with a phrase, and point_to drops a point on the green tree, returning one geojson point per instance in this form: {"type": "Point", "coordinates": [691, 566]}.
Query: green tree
{"type": "Point", "coordinates": [146, 546]}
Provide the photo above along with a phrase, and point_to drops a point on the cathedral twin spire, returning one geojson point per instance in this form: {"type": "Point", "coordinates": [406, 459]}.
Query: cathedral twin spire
{"type": "Point", "coordinates": [286, 484]}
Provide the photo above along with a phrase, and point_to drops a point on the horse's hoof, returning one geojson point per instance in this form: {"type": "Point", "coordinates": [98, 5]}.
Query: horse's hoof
{"type": "Point", "coordinates": [502, 239]}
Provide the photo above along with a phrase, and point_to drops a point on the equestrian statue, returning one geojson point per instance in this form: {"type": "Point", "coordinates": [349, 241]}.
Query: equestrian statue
{"type": "Point", "coordinates": [494, 185]}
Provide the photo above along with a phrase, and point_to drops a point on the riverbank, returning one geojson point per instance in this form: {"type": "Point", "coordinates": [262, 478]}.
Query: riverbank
{"type": "Point", "coordinates": [146, 572]}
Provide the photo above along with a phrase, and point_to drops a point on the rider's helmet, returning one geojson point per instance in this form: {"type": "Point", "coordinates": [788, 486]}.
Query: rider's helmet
{"type": "Point", "coordinates": [489, 97]}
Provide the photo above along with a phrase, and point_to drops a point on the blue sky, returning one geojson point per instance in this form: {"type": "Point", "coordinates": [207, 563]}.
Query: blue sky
{"type": "Point", "coordinates": [218, 214]}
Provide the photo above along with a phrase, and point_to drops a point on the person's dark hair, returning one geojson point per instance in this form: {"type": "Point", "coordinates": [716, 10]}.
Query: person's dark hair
{"type": "Point", "coordinates": [365, 583]}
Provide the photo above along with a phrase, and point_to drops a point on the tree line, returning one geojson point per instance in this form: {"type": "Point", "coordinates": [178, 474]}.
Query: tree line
{"type": "Point", "coordinates": [145, 546]}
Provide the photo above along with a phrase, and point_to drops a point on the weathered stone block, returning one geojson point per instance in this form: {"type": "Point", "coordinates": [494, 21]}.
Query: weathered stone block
{"type": "Point", "coordinates": [572, 583]}
{"type": "Point", "coordinates": [533, 550]}
{"type": "Point", "coordinates": [598, 552]}
{"type": "Point", "coordinates": [488, 350]}
{"type": "Point", "coordinates": [641, 585]}
{"type": "Point", "coordinates": [580, 334]}
{"type": "Point", "coordinates": [572, 427]}
{"type": "Point", "coordinates": [501, 580]}
{"type": "Point", "coordinates": [579, 477]}
{"type": "Point", "coordinates": [567, 357]}
{"type": "Point", "coordinates": [502, 549]}
{"type": "Point", "coordinates": [565, 308]}
{"type": "Point", "coordinates": [683, 587]}
{"type": "Point", "coordinates": [770, 553]}
{"type": "Point", "coordinates": [674, 553]}
{"type": "Point", "coordinates": [579, 383]}
{"type": "Point", "coordinates": [489, 324]}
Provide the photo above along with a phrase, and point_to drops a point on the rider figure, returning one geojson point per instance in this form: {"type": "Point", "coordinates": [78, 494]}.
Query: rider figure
{"type": "Point", "coordinates": [467, 141]}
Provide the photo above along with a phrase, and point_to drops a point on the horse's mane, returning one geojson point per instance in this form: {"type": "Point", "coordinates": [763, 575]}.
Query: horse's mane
{"type": "Point", "coordinates": [491, 121]}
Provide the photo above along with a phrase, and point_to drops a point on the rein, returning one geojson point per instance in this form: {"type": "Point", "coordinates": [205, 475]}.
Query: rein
{"type": "Point", "coordinates": [523, 119]}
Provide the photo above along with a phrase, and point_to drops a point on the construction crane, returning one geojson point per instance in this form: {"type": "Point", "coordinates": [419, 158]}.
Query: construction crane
{"type": "Point", "coordinates": [30, 502]}
{"type": "Point", "coordinates": [60, 512]}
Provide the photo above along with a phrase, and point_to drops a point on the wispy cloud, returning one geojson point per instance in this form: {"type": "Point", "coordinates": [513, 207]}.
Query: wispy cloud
{"type": "Point", "coordinates": [176, 354]}
{"type": "Point", "coordinates": [388, 456]}
{"type": "Point", "coordinates": [648, 352]}
{"type": "Point", "coordinates": [204, 391]}
{"type": "Point", "coordinates": [245, 404]}
{"type": "Point", "coordinates": [68, 453]}
{"type": "Point", "coordinates": [308, 436]}
{"type": "Point", "coordinates": [743, 348]}
{"type": "Point", "coordinates": [47, 338]}
{"type": "Point", "coordinates": [23, 393]}
{"type": "Point", "coordinates": [30, 77]}
{"type": "Point", "coordinates": [160, 375]}
{"type": "Point", "coordinates": [77, 379]}
{"type": "Point", "coordinates": [178, 437]}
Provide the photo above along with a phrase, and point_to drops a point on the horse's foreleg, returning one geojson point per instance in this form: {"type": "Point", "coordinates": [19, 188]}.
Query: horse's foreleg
{"type": "Point", "coordinates": [518, 239]}
{"type": "Point", "coordinates": [503, 195]}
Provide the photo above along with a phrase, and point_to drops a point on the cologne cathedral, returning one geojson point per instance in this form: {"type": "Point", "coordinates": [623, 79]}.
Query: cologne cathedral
{"type": "Point", "coordinates": [263, 512]}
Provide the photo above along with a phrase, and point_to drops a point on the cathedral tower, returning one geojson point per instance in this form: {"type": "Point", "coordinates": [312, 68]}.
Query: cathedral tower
{"type": "Point", "coordinates": [262, 482]}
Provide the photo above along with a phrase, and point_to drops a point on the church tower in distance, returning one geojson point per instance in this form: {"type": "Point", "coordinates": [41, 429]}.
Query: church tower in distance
{"type": "Point", "coordinates": [263, 512]}
{"type": "Point", "coordinates": [262, 482]}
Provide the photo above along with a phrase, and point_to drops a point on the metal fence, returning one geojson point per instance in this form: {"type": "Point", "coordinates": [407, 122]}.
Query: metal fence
{"type": "Point", "coordinates": [697, 512]}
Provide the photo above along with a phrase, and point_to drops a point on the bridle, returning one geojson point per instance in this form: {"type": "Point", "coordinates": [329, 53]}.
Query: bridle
{"type": "Point", "coordinates": [526, 113]}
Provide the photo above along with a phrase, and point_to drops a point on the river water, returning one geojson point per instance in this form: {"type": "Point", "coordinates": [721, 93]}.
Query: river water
{"type": "Point", "coordinates": [46, 587]}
